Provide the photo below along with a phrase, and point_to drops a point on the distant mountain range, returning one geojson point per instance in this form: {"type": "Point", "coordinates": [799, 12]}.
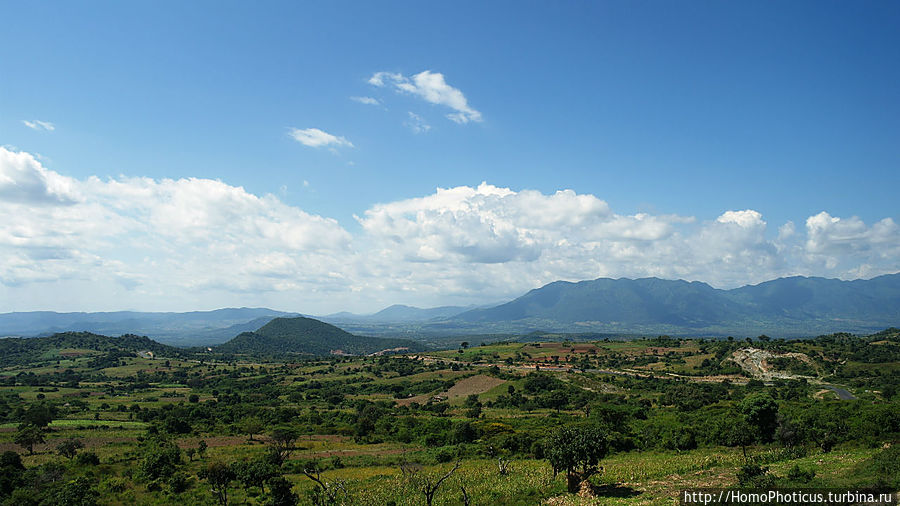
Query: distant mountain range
{"type": "Point", "coordinates": [787, 305]}
{"type": "Point", "coordinates": [790, 307]}
{"type": "Point", "coordinates": [399, 313]}
{"type": "Point", "coordinates": [195, 328]}
{"type": "Point", "coordinates": [307, 336]}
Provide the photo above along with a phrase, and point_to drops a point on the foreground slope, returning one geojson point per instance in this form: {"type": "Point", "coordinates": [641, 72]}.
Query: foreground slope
{"type": "Point", "coordinates": [309, 336]}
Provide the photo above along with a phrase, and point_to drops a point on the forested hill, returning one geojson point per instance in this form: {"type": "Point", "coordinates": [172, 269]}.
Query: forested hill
{"type": "Point", "coordinates": [311, 337]}
{"type": "Point", "coordinates": [66, 344]}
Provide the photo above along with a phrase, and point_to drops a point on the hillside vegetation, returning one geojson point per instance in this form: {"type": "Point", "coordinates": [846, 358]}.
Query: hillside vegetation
{"type": "Point", "coordinates": [18, 351]}
{"type": "Point", "coordinates": [307, 336]}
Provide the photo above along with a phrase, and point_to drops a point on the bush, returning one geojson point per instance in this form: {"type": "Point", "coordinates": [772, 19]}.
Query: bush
{"type": "Point", "coordinates": [886, 465]}
{"type": "Point", "coordinates": [443, 455]}
{"type": "Point", "coordinates": [161, 459]}
{"type": "Point", "coordinates": [87, 459]}
{"type": "Point", "coordinates": [755, 476]}
{"type": "Point", "coordinates": [796, 474]}
{"type": "Point", "coordinates": [179, 482]}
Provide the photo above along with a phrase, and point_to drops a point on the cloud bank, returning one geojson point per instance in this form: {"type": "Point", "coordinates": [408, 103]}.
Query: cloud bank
{"type": "Point", "coordinates": [70, 244]}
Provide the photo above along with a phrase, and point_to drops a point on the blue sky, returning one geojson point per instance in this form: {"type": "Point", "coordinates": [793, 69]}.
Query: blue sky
{"type": "Point", "coordinates": [660, 117]}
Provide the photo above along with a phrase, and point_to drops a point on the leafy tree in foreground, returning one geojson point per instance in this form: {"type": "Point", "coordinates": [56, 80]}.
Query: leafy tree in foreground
{"type": "Point", "coordinates": [576, 450]}
{"type": "Point", "coordinates": [280, 493]}
{"type": "Point", "coordinates": [11, 470]}
{"type": "Point", "coordinates": [761, 412]}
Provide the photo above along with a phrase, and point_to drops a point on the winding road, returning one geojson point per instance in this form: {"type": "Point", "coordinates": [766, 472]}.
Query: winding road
{"type": "Point", "coordinates": [841, 393]}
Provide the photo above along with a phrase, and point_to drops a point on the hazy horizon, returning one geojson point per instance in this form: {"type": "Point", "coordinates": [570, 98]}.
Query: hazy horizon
{"type": "Point", "coordinates": [371, 312]}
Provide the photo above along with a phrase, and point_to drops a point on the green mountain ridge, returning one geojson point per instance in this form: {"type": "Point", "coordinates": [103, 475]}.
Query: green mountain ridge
{"type": "Point", "coordinates": [308, 336]}
{"type": "Point", "coordinates": [633, 303]}
{"type": "Point", "coordinates": [15, 350]}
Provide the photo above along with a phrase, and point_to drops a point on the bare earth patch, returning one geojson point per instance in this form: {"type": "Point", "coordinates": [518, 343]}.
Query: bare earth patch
{"type": "Point", "coordinates": [472, 385]}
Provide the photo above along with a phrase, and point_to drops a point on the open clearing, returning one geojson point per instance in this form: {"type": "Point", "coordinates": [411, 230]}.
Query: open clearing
{"type": "Point", "coordinates": [473, 385]}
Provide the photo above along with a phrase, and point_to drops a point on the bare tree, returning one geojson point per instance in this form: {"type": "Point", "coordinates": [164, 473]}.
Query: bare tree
{"type": "Point", "coordinates": [465, 496]}
{"type": "Point", "coordinates": [426, 483]}
{"type": "Point", "coordinates": [326, 492]}
{"type": "Point", "coordinates": [503, 465]}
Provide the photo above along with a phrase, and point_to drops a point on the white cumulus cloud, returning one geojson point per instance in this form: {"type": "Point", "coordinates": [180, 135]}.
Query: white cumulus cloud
{"type": "Point", "coordinates": [366, 100]}
{"type": "Point", "coordinates": [24, 179]}
{"type": "Point", "coordinates": [315, 138]}
{"type": "Point", "coordinates": [433, 88]}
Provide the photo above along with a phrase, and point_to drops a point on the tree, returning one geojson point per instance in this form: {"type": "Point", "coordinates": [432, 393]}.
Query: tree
{"type": "Point", "coordinates": [366, 418]}
{"type": "Point", "coordinates": [576, 450]}
{"type": "Point", "coordinates": [39, 415]}
{"type": "Point", "coordinates": [761, 412]}
{"type": "Point", "coordinates": [254, 473]}
{"type": "Point", "coordinates": [69, 448]}
{"type": "Point", "coordinates": [219, 476]}
{"type": "Point", "coordinates": [11, 471]}
{"type": "Point", "coordinates": [201, 448]}
{"type": "Point", "coordinates": [251, 425]}
{"type": "Point", "coordinates": [280, 493]}
{"type": "Point", "coordinates": [740, 434]}
{"type": "Point", "coordinates": [281, 444]}
{"type": "Point", "coordinates": [28, 436]}
{"type": "Point", "coordinates": [161, 459]}
{"type": "Point", "coordinates": [427, 483]}
{"type": "Point", "coordinates": [557, 399]}
{"type": "Point", "coordinates": [325, 492]}
{"type": "Point", "coordinates": [788, 432]}
{"type": "Point", "coordinates": [78, 492]}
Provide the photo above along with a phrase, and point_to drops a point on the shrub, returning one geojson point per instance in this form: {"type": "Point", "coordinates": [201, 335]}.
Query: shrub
{"type": "Point", "coordinates": [87, 459]}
